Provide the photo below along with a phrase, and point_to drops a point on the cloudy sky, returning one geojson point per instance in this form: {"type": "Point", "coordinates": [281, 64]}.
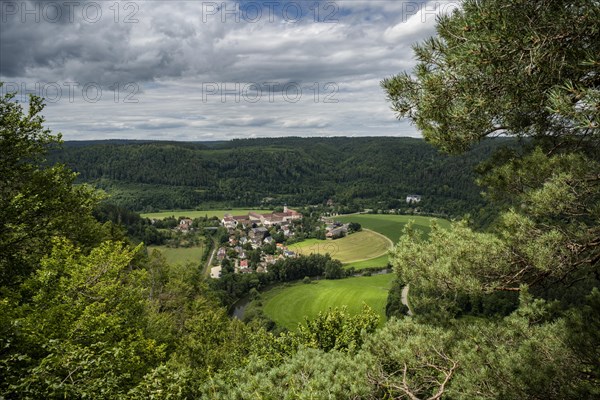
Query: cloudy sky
{"type": "Point", "coordinates": [208, 70]}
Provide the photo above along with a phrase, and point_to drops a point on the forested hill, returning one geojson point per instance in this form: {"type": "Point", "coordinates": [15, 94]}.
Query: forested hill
{"type": "Point", "coordinates": [373, 172]}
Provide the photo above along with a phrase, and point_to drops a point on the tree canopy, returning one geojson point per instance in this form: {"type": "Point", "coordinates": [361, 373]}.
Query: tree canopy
{"type": "Point", "coordinates": [529, 69]}
{"type": "Point", "coordinates": [37, 201]}
{"type": "Point", "coordinates": [356, 173]}
{"type": "Point", "coordinates": [522, 68]}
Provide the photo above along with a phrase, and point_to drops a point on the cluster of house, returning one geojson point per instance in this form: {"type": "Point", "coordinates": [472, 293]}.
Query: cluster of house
{"type": "Point", "coordinates": [241, 263]}
{"type": "Point", "coordinates": [185, 225]}
{"type": "Point", "coordinates": [254, 219]}
{"type": "Point", "coordinates": [335, 230]}
{"type": "Point", "coordinates": [252, 229]}
{"type": "Point", "coordinates": [256, 226]}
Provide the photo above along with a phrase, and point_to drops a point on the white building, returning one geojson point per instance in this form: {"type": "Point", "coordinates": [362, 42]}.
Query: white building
{"type": "Point", "coordinates": [215, 272]}
{"type": "Point", "coordinates": [413, 198]}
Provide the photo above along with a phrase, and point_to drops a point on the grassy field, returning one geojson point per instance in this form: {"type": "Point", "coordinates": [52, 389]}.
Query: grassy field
{"type": "Point", "coordinates": [380, 261]}
{"type": "Point", "coordinates": [354, 247]}
{"type": "Point", "coordinates": [288, 306]}
{"type": "Point", "coordinates": [363, 249]}
{"type": "Point", "coordinates": [201, 213]}
{"type": "Point", "coordinates": [392, 225]}
{"type": "Point", "coordinates": [180, 255]}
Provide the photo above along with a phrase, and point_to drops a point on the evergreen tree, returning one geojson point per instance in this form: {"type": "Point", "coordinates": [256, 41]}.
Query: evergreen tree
{"type": "Point", "coordinates": [528, 69]}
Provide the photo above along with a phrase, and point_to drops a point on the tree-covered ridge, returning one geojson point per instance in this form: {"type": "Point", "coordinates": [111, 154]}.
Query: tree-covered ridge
{"type": "Point", "coordinates": [364, 172]}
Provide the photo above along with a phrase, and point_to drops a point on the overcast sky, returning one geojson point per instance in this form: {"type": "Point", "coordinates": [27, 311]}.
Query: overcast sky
{"type": "Point", "coordinates": [204, 70]}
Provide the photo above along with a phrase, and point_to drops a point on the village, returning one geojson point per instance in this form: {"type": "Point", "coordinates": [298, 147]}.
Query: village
{"type": "Point", "coordinates": [252, 242]}
{"type": "Point", "coordinates": [257, 241]}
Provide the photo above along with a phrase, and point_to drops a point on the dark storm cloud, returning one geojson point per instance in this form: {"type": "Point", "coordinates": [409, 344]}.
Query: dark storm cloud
{"type": "Point", "coordinates": [88, 41]}
{"type": "Point", "coordinates": [172, 50]}
{"type": "Point", "coordinates": [95, 41]}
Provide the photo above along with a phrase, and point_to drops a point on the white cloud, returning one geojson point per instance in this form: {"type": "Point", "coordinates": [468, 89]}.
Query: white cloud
{"type": "Point", "coordinates": [173, 55]}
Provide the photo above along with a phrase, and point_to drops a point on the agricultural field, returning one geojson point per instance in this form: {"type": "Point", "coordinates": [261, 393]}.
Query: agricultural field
{"type": "Point", "coordinates": [392, 225]}
{"type": "Point", "coordinates": [180, 255]}
{"type": "Point", "coordinates": [288, 306]}
{"type": "Point", "coordinates": [355, 247]}
{"type": "Point", "coordinates": [376, 262]}
{"type": "Point", "coordinates": [200, 213]}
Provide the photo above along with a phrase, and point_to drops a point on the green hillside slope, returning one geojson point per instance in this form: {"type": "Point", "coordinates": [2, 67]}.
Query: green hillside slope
{"type": "Point", "coordinates": [358, 172]}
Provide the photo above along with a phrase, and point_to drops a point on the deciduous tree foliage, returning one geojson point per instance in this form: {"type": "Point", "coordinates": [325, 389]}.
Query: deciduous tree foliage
{"type": "Point", "coordinates": [356, 173]}
{"type": "Point", "coordinates": [36, 201]}
{"type": "Point", "coordinates": [337, 330]}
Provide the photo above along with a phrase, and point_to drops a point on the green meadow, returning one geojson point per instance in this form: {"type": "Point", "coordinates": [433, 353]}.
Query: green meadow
{"type": "Point", "coordinates": [376, 262]}
{"type": "Point", "coordinates": [289, 305]}
{"type": "Point", "coordinates": [366, 249]}
{"type": "Point", "coordinates": [392, 225]}
{"type": "Point", "coordinates": [357, 246]}
{"type": "Point", "coordinates": [180, 255]}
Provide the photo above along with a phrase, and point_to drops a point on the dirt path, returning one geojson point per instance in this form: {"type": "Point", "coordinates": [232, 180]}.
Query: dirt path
{"type": "Point", "coordinates": [209, 263]}
{"type": "Point", "coordinates": [404, 298]}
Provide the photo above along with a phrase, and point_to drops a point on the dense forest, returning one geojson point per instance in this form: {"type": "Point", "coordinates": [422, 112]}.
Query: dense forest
{"type": "Point", "coordinates": [374, 172]}
{"type": "Point", "coordinates": [512, 312]}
